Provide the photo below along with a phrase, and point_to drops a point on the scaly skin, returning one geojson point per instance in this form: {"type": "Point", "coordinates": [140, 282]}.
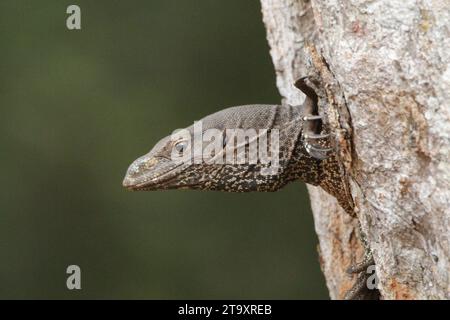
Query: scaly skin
{"type": "Point", "coordinates": [299, 159]}
{"type": "Point", "coordinates": [156, 170]}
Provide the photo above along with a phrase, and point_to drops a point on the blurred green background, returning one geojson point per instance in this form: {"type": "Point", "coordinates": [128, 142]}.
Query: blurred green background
{"type": "Point", "coordinates": [78, 106]}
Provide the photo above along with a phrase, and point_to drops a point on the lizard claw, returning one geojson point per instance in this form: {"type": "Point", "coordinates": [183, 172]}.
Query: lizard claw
{"type": "Point", "coordinates": [316, 136]}
{"type": "Point", "coordinates": [320, 152]}
{"type": "Point", "coordinates": [312, 122]}
{"type": "Point", "coordinates": [313, 117]}
{"type": "Point", "coordinates": [360, 289]}
{"type": "Point", "coordinates": [363, 265]}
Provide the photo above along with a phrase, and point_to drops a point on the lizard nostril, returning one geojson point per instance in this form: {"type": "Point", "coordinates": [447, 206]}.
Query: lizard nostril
{"type": "Point", "coordinates": [150, 163]}
{"type": "Point", "coordinates": [127, 182]}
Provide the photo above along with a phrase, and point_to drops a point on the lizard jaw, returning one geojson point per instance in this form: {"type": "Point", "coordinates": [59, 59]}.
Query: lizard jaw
{"type": "Point", "coordinates": [149, 186]}
{"type": "Point", "coordinates": [147, 182]}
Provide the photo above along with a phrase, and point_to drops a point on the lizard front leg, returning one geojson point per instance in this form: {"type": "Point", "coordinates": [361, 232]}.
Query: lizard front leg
{"type": "Point", "coordinates": [331, 182]}
{"type": "Point", "coordinates": [316, 142]}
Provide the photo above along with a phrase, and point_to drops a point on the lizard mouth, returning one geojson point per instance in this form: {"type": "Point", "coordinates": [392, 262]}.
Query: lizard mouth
{"type": "Point", "coordinates": [151, 185]}
{"type": "Point", "coordinates": [165, 180]}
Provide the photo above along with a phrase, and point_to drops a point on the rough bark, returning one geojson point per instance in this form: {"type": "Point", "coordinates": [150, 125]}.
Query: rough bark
{"type": "Point", "coordinates": [385, 66]}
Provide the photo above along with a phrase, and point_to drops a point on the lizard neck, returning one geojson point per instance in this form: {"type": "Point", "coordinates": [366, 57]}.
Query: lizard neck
{"type": "Point", "coordinates": [299, 165]}
{"type": "Point", "coordinates": [302, 166]}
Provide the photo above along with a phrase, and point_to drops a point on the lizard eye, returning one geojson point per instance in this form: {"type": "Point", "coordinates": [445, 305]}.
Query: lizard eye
{"type": "Point", "coordinates": [181, 146]}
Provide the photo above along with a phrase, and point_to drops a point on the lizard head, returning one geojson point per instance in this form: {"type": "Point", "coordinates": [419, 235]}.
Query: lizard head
{"type": "Point", "coordinates": [196, 157]}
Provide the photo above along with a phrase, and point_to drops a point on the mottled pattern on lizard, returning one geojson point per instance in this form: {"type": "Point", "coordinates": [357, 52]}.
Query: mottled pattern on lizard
{"type": "Point", "coordinates": [299, 159]}
{"type": "Point", "coordinates": [156, 170]}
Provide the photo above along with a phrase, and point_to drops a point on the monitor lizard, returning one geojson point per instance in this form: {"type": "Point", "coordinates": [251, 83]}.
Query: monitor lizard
{"type": "Point", "coordinates": [305, 153]}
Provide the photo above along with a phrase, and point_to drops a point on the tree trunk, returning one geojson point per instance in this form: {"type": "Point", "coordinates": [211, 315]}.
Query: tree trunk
{"type": "Point", "coordinates": [385, 71]}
